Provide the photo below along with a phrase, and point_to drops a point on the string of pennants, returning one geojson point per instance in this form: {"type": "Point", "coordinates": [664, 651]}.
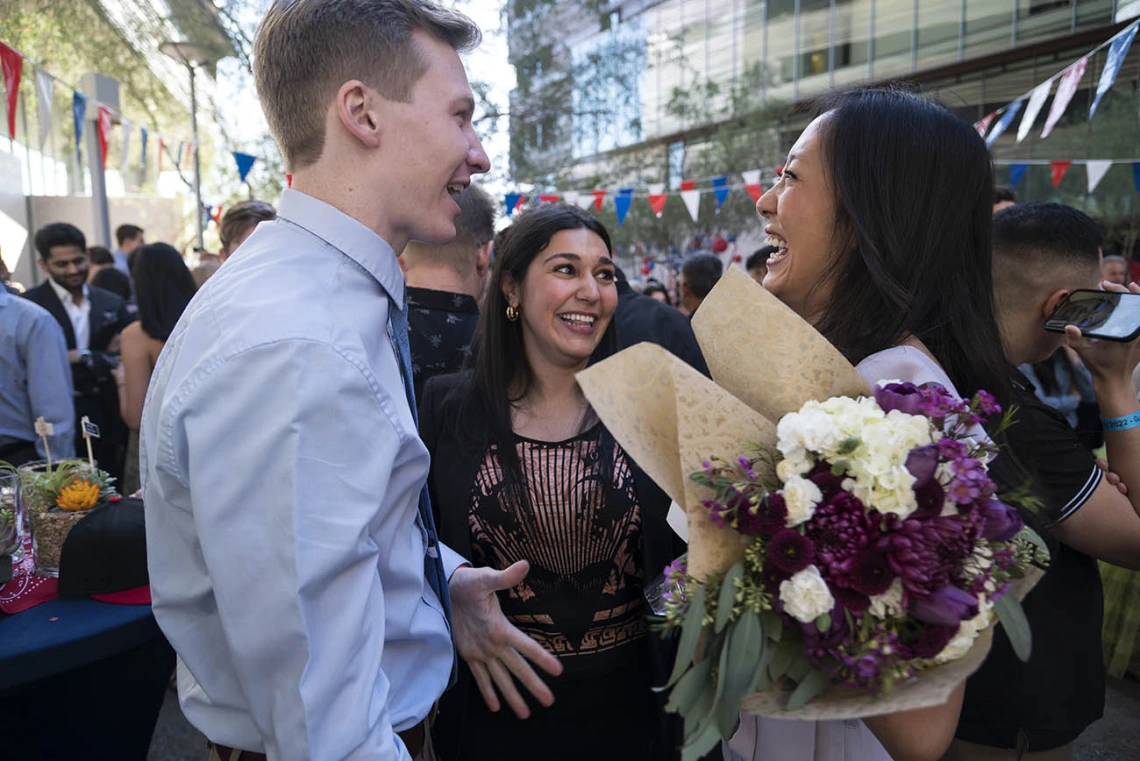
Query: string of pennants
{"type": "Point", "coordinates": [12, 65]}
{"type": "Point", "coordinates": [1070, 78]}
{"type": "Point", "coordinates": [656, 195]}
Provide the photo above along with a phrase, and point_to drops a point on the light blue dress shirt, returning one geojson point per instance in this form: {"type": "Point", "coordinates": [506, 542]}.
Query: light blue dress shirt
{"type": "Point", "coordinates": [281, 471]}
{"type": "Point", "coordinates": [35, 377]}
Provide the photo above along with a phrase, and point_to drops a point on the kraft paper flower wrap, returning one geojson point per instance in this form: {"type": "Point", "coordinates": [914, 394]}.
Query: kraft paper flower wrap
{"type": "Point", "coordinates": [767, 362]}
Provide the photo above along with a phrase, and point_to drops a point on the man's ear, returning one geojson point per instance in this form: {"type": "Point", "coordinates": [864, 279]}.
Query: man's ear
{"type": "Point", "coordinates": [358, 111]}
{"type": "Point", "coordinates": [43, 265]}
{"type": "Point", "coordinates": [1051, 303]}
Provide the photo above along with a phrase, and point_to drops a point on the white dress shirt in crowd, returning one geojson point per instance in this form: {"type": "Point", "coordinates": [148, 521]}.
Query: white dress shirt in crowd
{"type": "Point", "coordinates": [281, 470]}
{"type": "Point", "coordinates": [79, 314]}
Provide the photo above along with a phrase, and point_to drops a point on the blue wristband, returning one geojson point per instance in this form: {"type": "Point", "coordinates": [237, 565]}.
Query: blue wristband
{"type": "Point", "coordinates": [1121, 423]}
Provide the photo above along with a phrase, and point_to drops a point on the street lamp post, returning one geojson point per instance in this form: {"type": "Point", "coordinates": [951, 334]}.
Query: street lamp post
{"type": "Point", "coordinates": [193, 56]}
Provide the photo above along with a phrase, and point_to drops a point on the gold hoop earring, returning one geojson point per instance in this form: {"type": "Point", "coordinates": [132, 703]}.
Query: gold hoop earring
{"type": "Point", "coordinates": [512, 313]}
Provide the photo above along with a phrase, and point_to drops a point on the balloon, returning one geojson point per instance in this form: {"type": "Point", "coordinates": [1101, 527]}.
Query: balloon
{"type": "Point", "coordinates": [738, 258]}
{"type": "Point", "coordinates": [646, 270]}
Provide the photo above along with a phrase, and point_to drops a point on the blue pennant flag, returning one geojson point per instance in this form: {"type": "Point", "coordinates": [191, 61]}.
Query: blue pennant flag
{"type": "Point", "coordinates": [622, 201]}
{"type": "Point", "coordinates": [1117, 52]}
{"type": "Point", "coordinates": [142, 162]}
{"type": "Point", "coordinates": [1016, 172]}
{"type": "Point", "coordinates": [78, 110]}
{"type": "Point", "coordinates": [244, 164]}
{"type": "Point", "coordinates": [1136, 175]}
{"type": "Point", "coordinates": [1011, 112]}
{"type": "Point", "coordinates": [512, 202]}
{"type": "Point", "coordinates": [720, 190]}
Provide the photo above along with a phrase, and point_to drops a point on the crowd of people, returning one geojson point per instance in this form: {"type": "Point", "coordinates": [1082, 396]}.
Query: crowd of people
{"type": "Point", "coordinates": [384, 522]}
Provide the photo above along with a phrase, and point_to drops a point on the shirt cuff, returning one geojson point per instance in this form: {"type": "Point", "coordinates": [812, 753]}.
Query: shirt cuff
{"type": "Point", "coordinates": [452, 560]}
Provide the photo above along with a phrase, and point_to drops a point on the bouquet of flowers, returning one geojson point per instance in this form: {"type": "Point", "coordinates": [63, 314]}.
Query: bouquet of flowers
{"type": "Point", "coordinates": [844, 561]}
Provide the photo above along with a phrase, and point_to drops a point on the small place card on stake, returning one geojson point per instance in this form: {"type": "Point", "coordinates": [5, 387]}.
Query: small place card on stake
{"type": "Point", "coordinates": [43, 430]}
{"type": "Point", "coordinates": [90, 431]}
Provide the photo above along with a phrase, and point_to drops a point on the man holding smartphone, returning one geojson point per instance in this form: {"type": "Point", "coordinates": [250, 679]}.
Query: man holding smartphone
{"type": "Point", "coordinates": [1035, 710]}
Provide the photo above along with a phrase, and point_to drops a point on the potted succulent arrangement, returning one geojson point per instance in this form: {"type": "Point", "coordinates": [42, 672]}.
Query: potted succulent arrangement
{"type": "Point", "coordinates": [56, 498]}
{"type": "Point", "coordinates": [9, 543]}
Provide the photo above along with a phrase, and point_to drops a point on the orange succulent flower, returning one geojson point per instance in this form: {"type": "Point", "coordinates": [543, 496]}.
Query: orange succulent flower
{"type": "Point", "coordinates": [80, 494]}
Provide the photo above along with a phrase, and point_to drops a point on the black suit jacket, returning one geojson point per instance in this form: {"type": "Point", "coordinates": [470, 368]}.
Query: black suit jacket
{"type": "Point", "coordinates": [454, 466]}
{"type": "Point", "coordinates": [641, 318]}
{"type": "Point", "coordinates": [108, 318]}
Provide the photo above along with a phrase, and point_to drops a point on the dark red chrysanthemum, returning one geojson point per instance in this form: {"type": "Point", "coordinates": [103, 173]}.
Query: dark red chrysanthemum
{"type": "Point", "coordinates": [925, 553]}
{"type": "Point", "coordinates": [839, 528]}
{"type": "Point", "coordinates": [930, 642]}
{"type": "Point", "coordinates": [868, 572]}
{"type": "Point", "coordinates": [790, 551]}
{"type": "Point", "coordinates": [771, 515]}
{"type": "Point", "coordinates": [828, 484]}
{"type": "Point", "coordinates": [850, 599]}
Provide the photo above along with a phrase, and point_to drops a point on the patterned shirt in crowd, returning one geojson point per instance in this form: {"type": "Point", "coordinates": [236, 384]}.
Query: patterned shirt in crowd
{"type": "Point", "coordinates": [582, 598]}
{"type": "Point", "coordinates": [441, 325]}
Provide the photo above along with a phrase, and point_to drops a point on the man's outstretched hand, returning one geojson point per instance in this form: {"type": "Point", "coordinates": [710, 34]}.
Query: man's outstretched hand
{"type": "Point", "coordinates": [491, 645]}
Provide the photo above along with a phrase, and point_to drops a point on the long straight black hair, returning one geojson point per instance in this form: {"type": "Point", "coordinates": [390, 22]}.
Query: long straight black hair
{"type": "Point", "coordinates": [914, 194]}
{"type": "Point", "coordinates": [500, 375]}
{"type": "Point", "coordinates": [163, 288]}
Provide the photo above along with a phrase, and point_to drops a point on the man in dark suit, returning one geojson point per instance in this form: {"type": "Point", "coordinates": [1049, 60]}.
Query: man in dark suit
{"type": "Point", "coordinates": [642, 318]}
{"type": "Point", "coordinates": [92, 319]}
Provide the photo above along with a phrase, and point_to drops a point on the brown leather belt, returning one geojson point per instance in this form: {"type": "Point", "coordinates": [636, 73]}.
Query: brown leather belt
{"type": "Point", "coordinates": [413, 740]}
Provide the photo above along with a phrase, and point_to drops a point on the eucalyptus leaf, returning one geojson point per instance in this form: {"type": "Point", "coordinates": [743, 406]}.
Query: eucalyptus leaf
{"type": "Point", "coordinates": [690, 636]}
{"type": "Point", "coordinates": [800, 667]}
{"type": "Point", "coordinates": [696, 718]}
{"type": "Point", "coordinates": [689, 687]}
{"type": "Point", "coordinates": [727, 599]}
{"type": "Point", "coordinates": [782, 659]}
{"type": "Point", "coordinates": [813, 684]}
{"type": "Point", "coordinates": [1035, 539]}
{"type": "Point", "coordinates": [772, 624]}
{"type": "Point", "coordinates": [1012, 617]}
{"type": "Point", "coordinates": [706, 739]}
{"type": "Point", "coordinates": [745, 649]}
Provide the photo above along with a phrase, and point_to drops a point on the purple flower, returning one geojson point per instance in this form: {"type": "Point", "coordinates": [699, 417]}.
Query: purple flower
{"type": "Point", "coordinates": [771, 515]}
{"type": "Point", "coordinates": [904, 397]}
{"type": "Point", "coordinates": [951, 449]}
{"type": "Point", "coordinates": [868, 573]}
{"type": "Point", "coordinates": [932, 641]}
{"type": "Point", "coordinates": [926, 552]}
{"type": "Point", "coordinates": [930, 497]}
{"type": "Point", "coordinates": [947, 606]}
{"type": "Point", "coordinates": [922, 462]}
{"type": "Point", "coordinates": [828, 483]}
{"type": "Point", "coordinates": [1000, 522]}
{"type": "Point", "coordinates": [987, 403]}
{"type": "Point", "coordinates": [850, 599]}
{"type": "Point", "coordinates": [790, 551]}
{"type": "Point", "coordinates": [839, 528]}
{"type": "Point", "coordinates": [746, 466]}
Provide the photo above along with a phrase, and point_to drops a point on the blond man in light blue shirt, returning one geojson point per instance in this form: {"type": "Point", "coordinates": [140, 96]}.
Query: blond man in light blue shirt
{"type": "Point", "coordinates": [293, 560]}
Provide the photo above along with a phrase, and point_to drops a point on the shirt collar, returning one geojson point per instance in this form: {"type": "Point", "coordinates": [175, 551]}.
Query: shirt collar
{"type": "Point", "coordinates": [348, 236]}
{"type": "Point", "coordinates": [64, 296]}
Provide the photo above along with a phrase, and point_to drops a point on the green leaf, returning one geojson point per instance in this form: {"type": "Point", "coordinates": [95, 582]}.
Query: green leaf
{"type": "Point", "coordinates": [800, 667]}
{"type": "Point", "coordinates": [1012, 617]}
{"type": "Point", "coordinates": [745, 649]}
{"type": "Point", "coordinates": [690, 636]}
{"type": "Point", "coordinates": [848, 445]}
{"type": "Point", "coordinates": [783, 657]}
{"type": "Point", "coordinates": [813, 684]}
{"type": "Point", "coordinates": [823, 623]}
{"type": "Point", "coordinates": [705, 740]}
{"type": "Point", "coordinates": [727, 599]}
{"type": "Point", "coordinates": [1035, 539]}
{"type": "Point", "coordinates": [839, 468]}
{"type": "Point", "coordinates": [689, 687]}
{"type": "Point", "coordinates": [698, 716]}
{"type": "Point", "coordinates": [772, 625]}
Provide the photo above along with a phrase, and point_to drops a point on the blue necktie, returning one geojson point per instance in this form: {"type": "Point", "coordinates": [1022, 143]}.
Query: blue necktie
{"type": "Point", "coordinates": [433, 563]}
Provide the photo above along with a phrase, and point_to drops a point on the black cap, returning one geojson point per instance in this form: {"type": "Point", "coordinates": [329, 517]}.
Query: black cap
{"type": "Point", "coordinates": [105, 552]}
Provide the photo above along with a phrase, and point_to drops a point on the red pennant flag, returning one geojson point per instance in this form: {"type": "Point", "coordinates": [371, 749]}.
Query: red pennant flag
{"type": "Point", "coordinates": [983, 125]}
{"type": "Point", "coordinates": [217, 215]}
{"type": "Point", "coordinates": [657, 198]}
{"type": "Point", "coordinates": [549, 198]}
{"type": "Point", "coordinates": [1059, 169]}
{"type": "Point", "coordinates": [752, 184]}
{"type": "Point", "coordinates": [13, 64]}
{"type": "Point", "coordinates": [519, 203]}
{"type": "Point", "coordinates": [599, 196]}
{"type": "Point", "coordinates": [289, 180]}
{"type": "Point", "coordinates": [161, 150]}
{"type": "Point", "coordinates": [104, 127]}
{"type": "Point", "coordinates": [688, 184]}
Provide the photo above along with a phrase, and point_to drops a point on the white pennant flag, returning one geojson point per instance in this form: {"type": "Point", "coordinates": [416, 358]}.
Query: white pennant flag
{"type": "Point", "coordinates": [751, 177]}
{"type": "Point", "coordinates": [44, 87]}
{"type": "Point", "coordinates": [585, 200]}
{"type": "Point", "coordinates": [1036, 101]}
{"type": "Point", "coordinates": [1065, 92]}
{"type": "Point", "coordinates": [1096, 171]}
{"type": "Point", "coordinates": [692, 199]}
{"type": "Point", "coordinates": [570, 197]}
{"type": "Point", "coordinates": [126, 145]}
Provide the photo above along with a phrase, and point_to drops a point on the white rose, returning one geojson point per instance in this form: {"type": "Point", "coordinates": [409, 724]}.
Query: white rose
{"type": "Point", "coordinates": [967, 632]}
{"type": "Point", "coordinates": [793, 466]}
{"type": "Point", "coordinates": [888, 604]}
{"type": "Point", "coordinates": [806, 596]}
{"type": "Point", "coordinates": [801, 496]}
{"type": "Point", "coordinates": [810, 428]}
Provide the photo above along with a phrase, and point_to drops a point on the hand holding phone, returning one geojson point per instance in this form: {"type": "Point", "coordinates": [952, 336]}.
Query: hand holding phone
{"type": "Point", "coordinates": [1108, 315]}
{"type": "Point", "coordinates": [1111, 360]}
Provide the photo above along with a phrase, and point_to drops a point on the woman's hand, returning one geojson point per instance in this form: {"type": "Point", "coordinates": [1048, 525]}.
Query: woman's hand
{"type": "Point", "coordinates": [492, 646]}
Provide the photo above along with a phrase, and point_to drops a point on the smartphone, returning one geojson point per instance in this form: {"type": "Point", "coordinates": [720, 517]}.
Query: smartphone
{"type": "Point", "coordinates": [1108, 315]}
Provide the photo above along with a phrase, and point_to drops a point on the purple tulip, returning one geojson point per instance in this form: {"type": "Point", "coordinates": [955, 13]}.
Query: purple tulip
{"type": "Point", "coordinates": [905, 397]}
{"type": "Point", "coordinates": [947, 606]}
{"type": "Point", "coordinates": [922, 462]}
{"type": "Point", "coordinates": [1000, 521]}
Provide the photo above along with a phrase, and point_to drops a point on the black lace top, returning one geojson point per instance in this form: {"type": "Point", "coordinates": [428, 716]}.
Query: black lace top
{"type": "Point", "coordinates": [579, 527]}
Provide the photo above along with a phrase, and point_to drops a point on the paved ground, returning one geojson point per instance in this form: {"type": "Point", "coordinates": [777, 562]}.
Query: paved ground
{"type": "Point", "coordinates": [1116, 737]}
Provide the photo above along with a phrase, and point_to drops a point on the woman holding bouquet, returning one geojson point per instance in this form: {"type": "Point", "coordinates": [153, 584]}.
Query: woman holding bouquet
{"type": "Point", "coordinates": [882, 224]}
{"type": "Point", "coordinates": [522, 470]}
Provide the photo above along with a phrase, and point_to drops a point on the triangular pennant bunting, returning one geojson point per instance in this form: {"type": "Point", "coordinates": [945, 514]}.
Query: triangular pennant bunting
{"type": "Point", "coordinates": [585, 200]}
{"type": "Point", "coordinates": [1036, 101]}
{"type": "Point", "coordinates": [1003, 123]}
{"type": "Point", "coordinates": [1096, 171]}
{"type": "Point", "coordinates": [78, 111]}
{"type": "Point", "coordinates": [513, 200]}
{"type": "Point", "coordinates": [1136, 175]}
{"type": "Point", "coordinates": [752, 184]}
{"type": "Point", "coordinates": [288, 180]}
{"type": "Point", "coordinates": [12, 64]}
{"type": "Point", "coordinates": [1065, 91]}
{"type": "Point", "coordinates": [45, 87]}
{"type": "Point", "coordinates": [691, 197]}
{"type": "Point", "coordinates": [571, 197]}
{"type": "Point", "coordinates": [622, 201]}
{"type": "Point", "coordinates": [1117, 52]}
{"type": "Point", "coordinates": [1059, 169]}
{"type": "Point", "coordinates": [599, 197]}
{"type": "Point", "coordinates": [103, 129]}
{"type": "Point", "coordinates": [720, 190]}
{"type": "Point", "coordinates": [244, 163]}
{"type": "Point", "coordinates": [124, 152]}
{"type": "Point", "coordinates": [142, 154]}
{"type": "Point", "coordinates": [657, 198]}
{"type": "Point", "coordinates": [549, 198]}
{"type": "Point", "coordinates": [1016, 172]}
{"type": "Point", "coordinates": [984, 123]}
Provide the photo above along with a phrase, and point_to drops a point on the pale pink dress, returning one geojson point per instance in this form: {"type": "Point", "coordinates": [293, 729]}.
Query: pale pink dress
{"type": "Point", "coordinates": [764, 739]}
